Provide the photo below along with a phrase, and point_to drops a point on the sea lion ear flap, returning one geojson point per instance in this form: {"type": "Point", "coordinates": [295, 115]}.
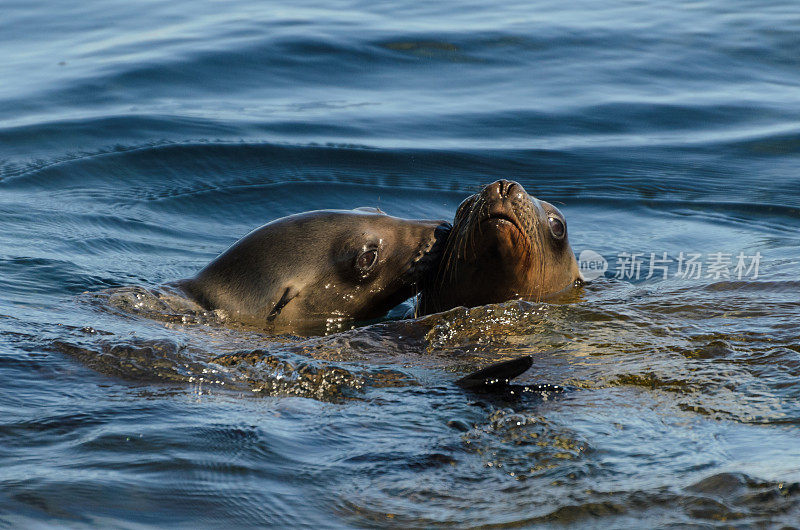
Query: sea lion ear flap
{"type": "Point", "coordinates": [369, 209]}
{"type": "Point", "coordinates": [287, 297]}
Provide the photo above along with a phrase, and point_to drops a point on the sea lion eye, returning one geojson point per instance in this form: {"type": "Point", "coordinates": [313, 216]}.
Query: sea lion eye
{"type": "Point", "coordinates": [557, 227]}
{"type": "Point", "coordinates": [367, 259]}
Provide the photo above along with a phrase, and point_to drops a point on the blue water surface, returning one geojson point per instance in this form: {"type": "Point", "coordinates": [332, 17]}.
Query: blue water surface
{"type": "Point", "coordinates": [139, 139]}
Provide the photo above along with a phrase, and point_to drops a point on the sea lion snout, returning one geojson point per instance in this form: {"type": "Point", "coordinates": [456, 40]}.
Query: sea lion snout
{"type": "Point", "coordinates": [505, 203]}
{"type": "Point", "coordinates": [437, 242]}
{"type": "Point", "coordinates": [502, 189]}
{"type": "Point", "coordinates": [430, 250]}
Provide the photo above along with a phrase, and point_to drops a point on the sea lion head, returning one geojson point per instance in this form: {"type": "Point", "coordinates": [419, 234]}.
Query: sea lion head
{"type": "Point", "coordinates": [307, 270]}
{"type": "Point", "coordinates": [504, 244]}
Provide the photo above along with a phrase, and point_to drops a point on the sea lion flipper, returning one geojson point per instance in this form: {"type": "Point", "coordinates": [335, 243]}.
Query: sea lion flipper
{"type": "Point", "coordinates": [497, 374]}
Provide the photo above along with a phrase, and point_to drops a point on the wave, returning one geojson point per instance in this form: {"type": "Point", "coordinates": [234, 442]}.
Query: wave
{"type": "Point", "coordinates": [154, 172]}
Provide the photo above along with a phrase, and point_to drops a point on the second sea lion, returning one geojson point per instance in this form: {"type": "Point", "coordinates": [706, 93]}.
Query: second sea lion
{"type": "Point", "coordinates": [504, 245]}
{"type": "Point", "coordinates": [308, 270]}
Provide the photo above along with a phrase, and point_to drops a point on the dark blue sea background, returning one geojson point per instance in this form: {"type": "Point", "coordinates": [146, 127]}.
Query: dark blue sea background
{"type": "Point", "coordinates": [139, 139]}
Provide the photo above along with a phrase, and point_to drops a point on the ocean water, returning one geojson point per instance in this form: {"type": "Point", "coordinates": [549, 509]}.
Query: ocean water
{"type": "Point", "coordinates": [139, 140]}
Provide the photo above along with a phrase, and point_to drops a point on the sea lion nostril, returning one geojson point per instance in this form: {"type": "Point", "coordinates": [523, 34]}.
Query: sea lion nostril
{"type": "Point", "coordinates": [513, 189]}
{"type": "Point", "coordinates": [494, 190]}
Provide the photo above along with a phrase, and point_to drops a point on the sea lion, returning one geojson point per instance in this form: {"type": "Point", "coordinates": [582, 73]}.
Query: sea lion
{"type": "Point", "coordinates": [504, 245]}
{"type": "Point", "coordinates": [312, 269]}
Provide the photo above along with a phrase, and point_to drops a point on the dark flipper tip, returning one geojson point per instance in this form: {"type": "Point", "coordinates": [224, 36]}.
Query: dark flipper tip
{"type": "Point", "coordinates": [496, 375]}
